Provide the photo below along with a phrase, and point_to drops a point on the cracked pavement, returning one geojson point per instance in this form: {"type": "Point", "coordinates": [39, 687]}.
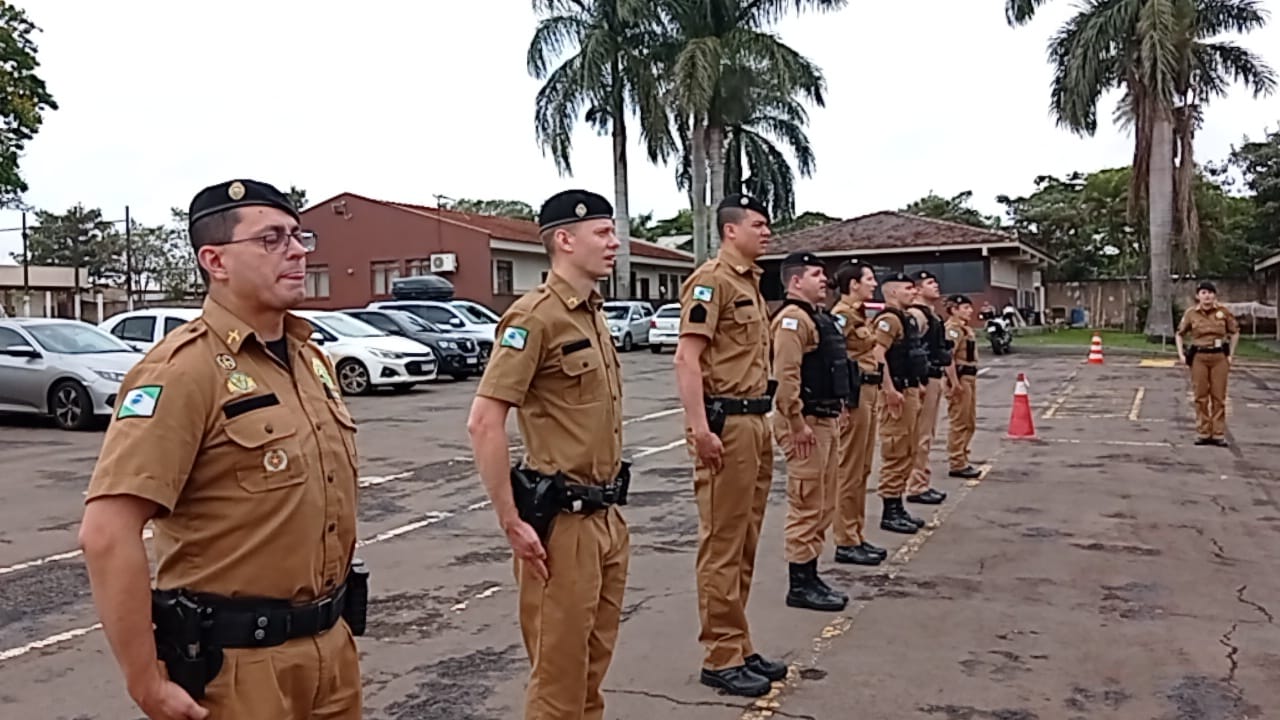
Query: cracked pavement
{"type": "Point", "coordinates": [1110, 570]}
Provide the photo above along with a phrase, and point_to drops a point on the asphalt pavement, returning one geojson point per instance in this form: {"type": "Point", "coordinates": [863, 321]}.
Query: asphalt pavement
{"type": "Point", "coordinates": [1105, 569]}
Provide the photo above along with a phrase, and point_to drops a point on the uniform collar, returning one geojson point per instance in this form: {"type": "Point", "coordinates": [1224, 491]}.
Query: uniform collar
{"type": "Point", "coordinates": [569, 296]}
{"type": "Point", "coordinates": [735, 260]}
{"type": "Point", "coordinates": [234, 332]}
{"type": "Point", "coordinates": [1213, 307]}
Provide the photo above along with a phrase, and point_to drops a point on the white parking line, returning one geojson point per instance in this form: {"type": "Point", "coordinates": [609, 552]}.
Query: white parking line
{"type": "Point", "coordinates": [431, 518]}
{"type": "Point", "coordinates": [146, 535]}
{"type": "Point", "coordinates": [1137, 403]}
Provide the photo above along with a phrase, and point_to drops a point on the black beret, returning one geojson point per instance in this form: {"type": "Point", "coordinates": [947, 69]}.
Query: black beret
{"type": "Point", "coordinates": [959, 300]}
{"type": "Point", "coordinates": [238, 193]}
{"type": "Point", "coordinates": [924, 275]}
{"type": "Point", "coordinates": [744, 201]}
{"type": "Point", "coordinates": [1207, 285]}
{"type": "Point", "coordinates": [802, 258]}
{"type": "Point", "coordinates": [898, 277]}
{"type": "Point", "coordinates": [571, 206]}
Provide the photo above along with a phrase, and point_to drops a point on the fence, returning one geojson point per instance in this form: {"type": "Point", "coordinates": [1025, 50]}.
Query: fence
{"type": "Point", "coordinates": [1121, 303]}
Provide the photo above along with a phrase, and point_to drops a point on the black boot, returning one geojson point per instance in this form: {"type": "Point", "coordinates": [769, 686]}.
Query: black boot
{"type": "Point", "coordinates": [817, 579]}
{"type": "Point", "coordinates": [770, 669]}
{"type": "Point", "coordinates": [918, 522]}
{"type": "Point", "coordinates": [894, 518]}
{"type": "Point", "coordinates": [738, 680]}
{"type": "Point", "coordinates": [868, 547]}
{"type": "Point", "coordinates": [805, 592]}
{"type": "Point", "coordinates": [858, 555]}
{"type": "Point", "coordinates": [928, 497]}
{"type": "Point", "coordinates": [968, 473]}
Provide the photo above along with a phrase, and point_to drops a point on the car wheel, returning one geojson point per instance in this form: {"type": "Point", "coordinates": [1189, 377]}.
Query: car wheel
{"type": "Point", "coordinates": [626, 343]}
{"type": "Point", "coordinates": [353, 376]}
{"type": "Point", "coordinates": [70, 405]}
{"type": "Point", "coordinates": [655, 349]}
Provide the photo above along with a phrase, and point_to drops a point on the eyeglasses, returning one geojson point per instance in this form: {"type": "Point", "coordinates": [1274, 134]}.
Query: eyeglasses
{"type": "Point", "coordinates": [276, 241]}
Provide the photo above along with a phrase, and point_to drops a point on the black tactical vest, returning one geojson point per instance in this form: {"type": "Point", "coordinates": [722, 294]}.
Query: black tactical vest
{"type": "Point", "coordinates": [936, 341]}
{"type": "Point", "coordinates": [908, 358]}
{"type": "Point", "coordinates": [827, 378]}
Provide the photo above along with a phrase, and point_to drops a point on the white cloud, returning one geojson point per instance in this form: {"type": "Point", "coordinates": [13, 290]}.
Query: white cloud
{"type": "Point", "coordinates": [404, 100]}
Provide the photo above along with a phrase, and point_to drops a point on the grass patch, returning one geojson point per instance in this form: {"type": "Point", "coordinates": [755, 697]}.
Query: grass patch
{"type": "Point", "coordinates": [1083, 337]}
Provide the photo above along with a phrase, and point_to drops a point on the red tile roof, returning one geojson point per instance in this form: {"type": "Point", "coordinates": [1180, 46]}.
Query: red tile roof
{"type": "Point", "coordinates": [883, 230]}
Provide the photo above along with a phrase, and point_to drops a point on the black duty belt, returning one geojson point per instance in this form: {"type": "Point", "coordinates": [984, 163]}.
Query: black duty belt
{"type": "Point", "coordinates": [901, 383]}
{"type": "Point", "coordinates": [589, 498]}
{"type": "Point", "coordinates": [246, 622]}
{"type": "Point", "coordinates": [872, 378]}
{"type": "Point", "coordinates": [1210, 350]}
{"type": "Point", "coordinates": [823, 408]}
{"type": "Point", "coordinates": [936, 372]}
{"type": "Point", "coordinates": [743, 406]}
{"type": "Point", "coordinates": [966, 370]}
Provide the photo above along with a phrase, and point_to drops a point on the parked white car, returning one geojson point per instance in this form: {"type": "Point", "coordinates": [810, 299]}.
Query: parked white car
{"type": "Point", "coordinates": [664, 328]}
{"type": "Point", "coordinates": [66, 369]}
{"type": "Point", "coordinates": [143, 329]}
{"type": "Point", "coordinates": [452, 318]}
{"type": "Point", "coordinates": [368, 358]}
{"type": "Point", "coordinates": [628, 323]}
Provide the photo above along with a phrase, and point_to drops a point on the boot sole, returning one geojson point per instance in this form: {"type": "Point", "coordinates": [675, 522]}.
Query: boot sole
{"type": "Point", "coordinates": [819, 608]}
{"type": "Point", "coordinates": [740, 692]}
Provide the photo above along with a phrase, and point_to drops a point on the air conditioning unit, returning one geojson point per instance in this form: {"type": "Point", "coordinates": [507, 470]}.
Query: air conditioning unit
{"type": "Point", "coordinates": [444, 262]}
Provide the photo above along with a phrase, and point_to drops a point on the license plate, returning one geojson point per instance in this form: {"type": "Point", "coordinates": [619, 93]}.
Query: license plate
{"type": "Point", "coordinates": [471, 361]}
{"type": "Point", "coordinates": [415, 368]}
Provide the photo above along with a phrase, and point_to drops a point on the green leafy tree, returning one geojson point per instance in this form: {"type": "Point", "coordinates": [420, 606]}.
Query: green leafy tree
{"type": "Point", "coordinates": [79, 238]}
{"type": "Point", "coordinates": [24, 98]}
{"type": "Point", "coordinates": [297, 197]}
{"type": "Point", "coordinates": [1160, 54]}
{"type": "Point", "coordinates": [502, 208]}
{"type": "Point", "coordinates": [954, 209]}
{"type": "Point", "coordinates": [1259, 164]}
{"type": "Point", "coordinates": [805, 220]}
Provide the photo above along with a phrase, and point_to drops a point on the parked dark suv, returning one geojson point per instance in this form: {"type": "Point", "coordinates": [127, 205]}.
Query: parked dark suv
{"type": "Point", "coordinates": [458, 355]}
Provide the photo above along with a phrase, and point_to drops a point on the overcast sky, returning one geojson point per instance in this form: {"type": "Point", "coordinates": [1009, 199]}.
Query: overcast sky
{"type": "Point", "coordinates": [408, 99]}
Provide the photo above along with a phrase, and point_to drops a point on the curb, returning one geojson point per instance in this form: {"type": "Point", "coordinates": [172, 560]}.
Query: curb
{"type": "Point", "coordinates": [1083, 352]}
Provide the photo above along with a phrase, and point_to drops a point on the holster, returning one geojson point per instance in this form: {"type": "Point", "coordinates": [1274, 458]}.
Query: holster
{"type": "Point", "coordinates": [538, 499]}
{"type": "Point", "coordinates": [181, 641]}
{"type": "Point", "coordinates": [357, 602]}
{"type": "Point", "coordinates": [1191, 355]}
{"type": "Point", "coordinates": [715, 417]}
{"type": "Point", "coordinates": [963, 370]}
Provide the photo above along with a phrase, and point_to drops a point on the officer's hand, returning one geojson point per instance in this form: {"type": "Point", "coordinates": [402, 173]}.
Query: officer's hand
{"type": "Point", "coordinates": [526, 545]}
{"type": "Point", "coordinates": [166, 700]}
{"type": "Point", "coordinates": [710, 450]}
{"type": "Point", "coordinates": [802, 441]}
{"type": "Point", "coordinates": [893, 401]}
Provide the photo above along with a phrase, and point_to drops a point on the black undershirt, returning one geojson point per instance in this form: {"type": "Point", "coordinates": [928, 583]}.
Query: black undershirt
{"type": "Point", "coordinates": [280, 348]}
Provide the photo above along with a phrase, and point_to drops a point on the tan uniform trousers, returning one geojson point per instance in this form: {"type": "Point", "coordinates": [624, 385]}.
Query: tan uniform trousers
{"type": "Point", "coordinates": [1209, 380]}
{"type": "Point", "coordinates": [310, 677]}
{"type": "Point", "coordinates": [926, 429]}
{"type": "Point", "coordinates": [570, 621]}
{"type": "Point", "coordinates": [731, 507]}
{"type": "Point", "coordinates": [856, 448]}
{"type": "Point", "coordinates": [962, 417]}
{"type": "Point", "coordinates": [898, 444]}
{"type": "Point", "coordinates": [811, 488]}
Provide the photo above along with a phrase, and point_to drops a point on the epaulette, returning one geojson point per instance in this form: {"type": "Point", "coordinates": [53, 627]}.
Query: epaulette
{"type": "Point", "coordinates": [168, 347]}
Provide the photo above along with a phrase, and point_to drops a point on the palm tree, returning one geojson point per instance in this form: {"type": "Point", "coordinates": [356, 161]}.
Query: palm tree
{"type": "Point", "coordinates": [707, 47]}
{"type": "Point", "coordinates": [1159, 52]}
{"type": "Point", "coordinates": [609, 75]}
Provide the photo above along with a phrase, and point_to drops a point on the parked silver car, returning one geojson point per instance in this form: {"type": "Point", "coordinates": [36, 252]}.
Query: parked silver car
{"type": "Point", "coordinates": [628, 323]}
{"type": "Point", "coordinates": [66, 369]}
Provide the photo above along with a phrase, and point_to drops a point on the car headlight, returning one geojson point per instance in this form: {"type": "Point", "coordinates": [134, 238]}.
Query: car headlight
{"type": "Point", "coordinates": [111, 375]}
{"type": "Point", "coordinates": [448, 344]}
{"type": "Point", "coordinates": [615, 329]}
{"type": "Point", "coordinates": [387, 354]}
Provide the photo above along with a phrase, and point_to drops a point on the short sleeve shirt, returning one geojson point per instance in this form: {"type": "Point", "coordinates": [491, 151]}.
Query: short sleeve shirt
{"type": "Point", "coordinates": [721, 302]}
{"type": "Point", "coordinates": [1208, 328]}
{"type": "Point", "coordinates": [959, 332]}
{"type": "Point", "coordinates": [859, 336]}
{"type": "Point", "coordinates": [253, 464]}
{"type": "Point", "coordinates": [794, 334]}
{"type": "Point", "coordinates": [555, 362]}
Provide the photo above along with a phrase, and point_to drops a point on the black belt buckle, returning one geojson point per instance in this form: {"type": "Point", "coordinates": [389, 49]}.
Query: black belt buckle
{"type": "Point", "coordinates": [872, 378]}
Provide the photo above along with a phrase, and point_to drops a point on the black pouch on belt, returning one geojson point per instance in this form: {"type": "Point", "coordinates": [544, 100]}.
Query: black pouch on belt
{"type": "Point", "coordinates": [356, 607]}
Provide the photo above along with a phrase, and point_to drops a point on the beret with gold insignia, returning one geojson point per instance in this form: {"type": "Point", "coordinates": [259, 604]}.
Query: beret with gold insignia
{"type": "Point", "coordinates": [959, 300]}
{"type": "Point", "coordinates": [235, 194]}
{"type": "Point", "coordinates": [571, 206]}
{"type": "Point", "coordinates": [744, 201]}
{"type": "Point", "coordinates": [923, 275]}
{"type": "Point", "coordinates": [896, 278]}
{"type": "Point", "coordinates": [802, 258]}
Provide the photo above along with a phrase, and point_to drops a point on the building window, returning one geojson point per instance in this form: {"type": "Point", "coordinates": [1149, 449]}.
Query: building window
{"type": "Point", "coordinates": [383, 273]}
{"type": "Point", "coordinates": [504, 277]}
{"type": "Point", "coordinates": [957, 276]}
{"type": "Point", "coordinates": [644, 288]}
{"type": "Point", "coordinates": [317, 283]}
{"type": "Point", "coordinates": [417, 266]}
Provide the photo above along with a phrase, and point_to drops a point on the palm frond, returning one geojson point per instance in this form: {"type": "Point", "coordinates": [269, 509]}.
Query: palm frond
{"type": "Point", "coordinates": [1020, 12]}
{"type": "Point", "coordinates": [556, 108]}
{"type": "Point", "coordinates": [1216, 17]}
{"type": "Point", "coordinates": [697, 73]}
{"type": "Point", "coordinates": [759, 13]}
{"type": "Point", "coordinates": [1216, 63]}
{"type": "Point", "coordinates": [550, 39]}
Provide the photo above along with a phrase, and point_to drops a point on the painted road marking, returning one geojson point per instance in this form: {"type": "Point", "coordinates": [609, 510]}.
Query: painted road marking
{"type": "Point", "coordinates": [488, 592]}
{"type": "Point", "coordinates": [429, 519]}
{"type": "Point", "coordinates": [146, 535]}
{"type": "Point", "coordinates": [1153, 362]}
{"type": "Point", "coordinates": [1137, 403]}
{"type": "Point", "coordinates": [1126, 443]}
{"type": "Point", "coordinates": [768, 705]}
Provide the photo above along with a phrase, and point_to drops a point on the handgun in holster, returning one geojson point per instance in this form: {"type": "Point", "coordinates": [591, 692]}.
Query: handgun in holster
{"type": "Point", "coordinates": [181, 641]}
{"type": "Point", "coordinates": [538, 498]}
{"type": "Point", "coordinates": [1191, 355]}
{"type": "Point", "coordinates": [716, 417]}
{"type": "Point", "coordinates": [355, 608]}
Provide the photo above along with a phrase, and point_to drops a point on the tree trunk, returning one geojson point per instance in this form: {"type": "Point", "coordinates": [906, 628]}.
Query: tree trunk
{"type": "Point", "coordinates": [622, 209]}
{"type": "Point", "coordinates": [698, 180]}
{"type": "Point", "coordinates": [715, 163]}
{"type": "Point", "coordinates": [1160, 221]}
{"type": "Point", "coordinates": [1188, 225]}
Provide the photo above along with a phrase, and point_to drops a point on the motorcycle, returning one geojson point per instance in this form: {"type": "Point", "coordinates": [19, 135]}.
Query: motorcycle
{"type": "Point", "coordinates": [999, 331]}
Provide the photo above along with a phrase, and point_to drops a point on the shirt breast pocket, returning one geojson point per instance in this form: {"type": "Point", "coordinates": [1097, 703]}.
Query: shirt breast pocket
{"type": "Point", "coordinates": [268, 451]}
{"type": "Point", "coordinates": [584, 377]}
{"type": "Point", "coordinates": [744, 321]}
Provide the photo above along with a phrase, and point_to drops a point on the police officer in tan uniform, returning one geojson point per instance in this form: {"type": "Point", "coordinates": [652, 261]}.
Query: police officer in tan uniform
{"type": "Point", "coordinates": [856, 283]}
{"type": "Point", "coordinates": [1214, 335]}
{"type": "Point", "coordinates": [231, 438]}
{"type": "Point", "coordinates": [940, 370]}
{"type": "Point", "coordinates": [816, 389]}
{"type": "Point", "coordinates": [906, 371]}
{"type": "Point", "coordinates": [555, 363]}
{"type": "Point", "coordinates": [722, 374]}
{"type": "Point", "coordinates": [962, 395]}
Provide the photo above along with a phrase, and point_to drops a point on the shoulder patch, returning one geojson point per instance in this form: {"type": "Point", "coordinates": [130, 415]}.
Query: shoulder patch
{"type": "Point", "coordinates": [140, 402]}
{"type": "Point", "coordinates": [698, 314]}
{"type": "Point", "coordinates": [883, 326]}
{"type": "Point", "coordinates": [790, 323]}
{"type": "Point", "coordinates": [954, 333]}
{"type": "Point", "coordinates": [514, 337]}
{"type": "Point", "coordinates": [702, 293]}
{"type": "Point", "coordinates": [1220, 315]}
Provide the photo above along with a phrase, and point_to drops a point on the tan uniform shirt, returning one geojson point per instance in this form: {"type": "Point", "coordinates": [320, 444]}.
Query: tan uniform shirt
{"type": "Point", "coordinates": [960, 333]}
{"type": "Point", "coordinates": [889, 331]}
{"type": "Point", "coordinates": [859, 338]}
{"type": "Point", "coordinates": [254, 465]}
{"type": "Point", "coordinates": [794, 334]}
{"type": "Point", "coordinates": [1209, 328]}
{"type": "Point", "coordinates": [555, 361]}
{"type": "Point", "coordinates": [721, 301]}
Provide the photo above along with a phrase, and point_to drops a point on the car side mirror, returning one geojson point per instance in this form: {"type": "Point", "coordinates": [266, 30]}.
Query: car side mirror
{"type": "Point", "coordinates": [455, 322]}
{"type": "Point", "coordinates": [20, 351]}
{"type": "Point", "coordinates": [317, 338]}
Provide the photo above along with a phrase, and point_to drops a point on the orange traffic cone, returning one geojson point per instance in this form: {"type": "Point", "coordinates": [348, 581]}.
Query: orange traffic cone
{"type": "Point", "coordinates": [1095, 350]}
{"type": "Point", "coordinates": [1021, 426]}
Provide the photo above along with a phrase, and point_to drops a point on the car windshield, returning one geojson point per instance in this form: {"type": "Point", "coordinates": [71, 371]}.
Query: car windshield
{"type": "Point", "coordinates": [415, 322]}
{"type": "Point", "coordinates": [75, 339]}
{"type": "Point", "coordinates": [347, 326]}
{"type": "Point", "coordinates": [474, 314]}
{"type": "Point", "coordinates": [616, 312]}
{"type": "Point", "coordinates": [669, 312]}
